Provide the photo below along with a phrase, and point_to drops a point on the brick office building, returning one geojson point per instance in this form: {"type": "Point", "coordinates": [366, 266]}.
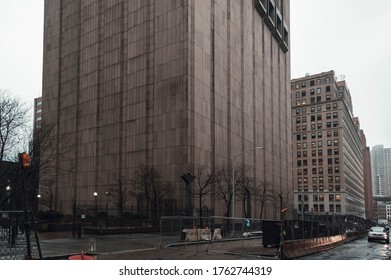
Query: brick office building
{"type": "Point", "coordinates": [171, 84]}
{"type": "Point", "coordinates": [328, 165]}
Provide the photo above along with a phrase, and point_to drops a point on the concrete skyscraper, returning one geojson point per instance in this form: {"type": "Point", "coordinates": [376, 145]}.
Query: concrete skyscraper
{"type": "Point", "coordinates": [170, 84]}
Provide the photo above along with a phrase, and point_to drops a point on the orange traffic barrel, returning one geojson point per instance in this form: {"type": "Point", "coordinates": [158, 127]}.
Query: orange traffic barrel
{"type": "Point", "coordinates": [81, 256]}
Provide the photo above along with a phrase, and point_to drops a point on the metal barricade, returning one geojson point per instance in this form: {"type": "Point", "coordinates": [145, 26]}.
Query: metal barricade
{"type": "Point", "coordinates": [18, 239]}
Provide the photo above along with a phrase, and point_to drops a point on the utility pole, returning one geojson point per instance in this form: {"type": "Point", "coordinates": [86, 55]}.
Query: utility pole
{"type": "Point", "coordinates": [282, 230]}
{"type": "Point", "coordinates": [24, 160]}
{"type": "Point", "coordinates": [107, 210]}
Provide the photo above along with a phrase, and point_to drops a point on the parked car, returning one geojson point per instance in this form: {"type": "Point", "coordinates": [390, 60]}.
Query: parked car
{"type": "Point", "coordinates": [379, 233]}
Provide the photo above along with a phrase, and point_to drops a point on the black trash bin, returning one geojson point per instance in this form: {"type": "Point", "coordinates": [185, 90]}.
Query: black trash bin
{"type": "Point", "coordinates": [271, 230]}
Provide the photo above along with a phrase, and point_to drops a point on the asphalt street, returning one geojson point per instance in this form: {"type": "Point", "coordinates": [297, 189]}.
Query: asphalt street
{"type": "Point", "coordinates": [150, 246]}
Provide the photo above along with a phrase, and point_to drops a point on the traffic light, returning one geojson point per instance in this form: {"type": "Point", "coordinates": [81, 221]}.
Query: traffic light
{"type": "Point", "coordinates": [25, 161]}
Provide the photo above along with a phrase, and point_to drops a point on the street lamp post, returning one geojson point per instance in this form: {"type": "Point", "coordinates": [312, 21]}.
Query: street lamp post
{"type": "Point", "coordinates": [188, 178]}
{"type": "Point", "coordinates": [8, 189]}
{"type": "Point", "coordinates": [233, 181]}
{"type": "Point", "coordinates": [25, 164]}
{"type": "Point", "coordinates": [96, 209]}
{"type": "Point", "coordinates": [107, 210]}
{"type": "Point", "coordinates": [10, 229]}
{"type": "Point", "coordinates": [38, 199]}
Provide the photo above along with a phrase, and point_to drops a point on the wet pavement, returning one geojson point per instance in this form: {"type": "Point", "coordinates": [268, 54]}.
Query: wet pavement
{"type": "Point", "coordinates": [61, 245]}
{"type": "Point", "coordinates": [148, 247]}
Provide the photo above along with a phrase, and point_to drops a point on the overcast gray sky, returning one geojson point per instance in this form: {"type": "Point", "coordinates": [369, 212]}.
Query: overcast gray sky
{"type": "Point", "coordinates": [351, 37]}
{"type": "Point", "coordinates": [21, 40]}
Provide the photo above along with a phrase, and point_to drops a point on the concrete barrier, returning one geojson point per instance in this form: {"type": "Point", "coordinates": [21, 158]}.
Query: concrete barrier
{"type": "Point", "coordinates": [204, 234]}
{"type": "Point", "coordinates": [191, 234]}
{"type": "Point", "coordinates": [217, 234]}
{"type": "Point", "coordinates": [303, 247]}
{"type": "Point", "coordinates": [195, 234]}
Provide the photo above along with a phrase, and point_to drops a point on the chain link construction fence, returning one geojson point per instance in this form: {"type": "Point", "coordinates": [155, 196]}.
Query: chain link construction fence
{"type": "Point", "coordinates": [17, 240]}
{"type": "Point", "coordinates": [182, 229]}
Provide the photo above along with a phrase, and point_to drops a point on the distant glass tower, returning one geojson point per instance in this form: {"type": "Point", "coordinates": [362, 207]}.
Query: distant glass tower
{"type": "Point", "coordinates": [381, 170]}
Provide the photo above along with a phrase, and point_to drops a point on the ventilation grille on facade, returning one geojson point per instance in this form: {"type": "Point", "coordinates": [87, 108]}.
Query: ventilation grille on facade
{"type": "Point", "coordinates": [274, 20]}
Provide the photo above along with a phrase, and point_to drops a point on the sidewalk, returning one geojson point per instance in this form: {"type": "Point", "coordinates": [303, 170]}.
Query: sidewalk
{"type": "Point", "coordinates": [147, 247]}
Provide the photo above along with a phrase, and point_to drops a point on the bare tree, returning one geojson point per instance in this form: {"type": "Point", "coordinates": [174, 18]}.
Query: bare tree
{"type": "Point", "coordinates": [246, 189]}
{"type": "Point", "coordinates": [45, 150]}
{"type": "Point", "coordinates": [148, 181]}
{"type": "Point", "coordinates": [224, 189]}
{"type": "Point", "coordinates": [47, 195]}
{"type": "Point", "coordinates": [121, 193]}
{"type": "Point", "coordinates": [41, 143]}
{"type": "Point", "coordinates": [203, 182]}
{"type": "Point", "coordinates": [13, 124]}
{"type": "Point", "coordinates": [9, 174]}
{"type": "Point", "coordinates": [265, 195]}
